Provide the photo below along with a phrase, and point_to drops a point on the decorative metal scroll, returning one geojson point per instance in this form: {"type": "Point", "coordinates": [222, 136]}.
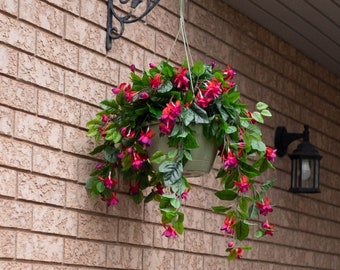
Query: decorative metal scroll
{"type": "Point", "coordinates": [114, 32]}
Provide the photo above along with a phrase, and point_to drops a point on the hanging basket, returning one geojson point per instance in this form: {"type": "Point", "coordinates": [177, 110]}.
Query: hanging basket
{"type": "Point", "coordinates": [202, 158]}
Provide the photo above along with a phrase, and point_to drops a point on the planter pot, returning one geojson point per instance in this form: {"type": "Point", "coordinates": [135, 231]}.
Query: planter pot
{"type": "Point", "coordinates": [202, 158]}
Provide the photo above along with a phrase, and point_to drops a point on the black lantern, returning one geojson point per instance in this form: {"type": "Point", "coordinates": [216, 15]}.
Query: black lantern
{"type": "Point", "coordinates": [305, 170]}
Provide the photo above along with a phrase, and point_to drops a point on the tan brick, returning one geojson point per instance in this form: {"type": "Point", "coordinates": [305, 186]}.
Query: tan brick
{"type": "Point", "coordinates": [152, 213]}
{"type": "Point", "coordinates": [54, 163]}
{"type": "Point", "coordinates": [85, 167]}
{"type": "Point", "coordinates": [124, 257]}
{"type": "Point", "coordinates": [99, 67]}
{"type": "Point", "coordinates": [198, 242]}
{"type": "Point", "coordinates": [76, 141]}
{"type": "Point", "coordinates": [218, 263]}
{"type": "Point", "coordinates": [41, 189]}
{"type": "Point", "coordinates": [154, 259]}
{"type": "Point", "coordinates": [188, 261]}
{"type": "Point", "coordinates": [7, 244]}
{"type": "Point", "coordinates": [84, 253]}
{"type": "Point", "coordinates": [15, 214]}
{"type": "Point", "coordinates": [39, 247]}
{"type": "Point", "coordinates": [8, 182]}
{"type": "Point", "coordinates": [52, 220]}
{"type": "Point", "coordinates": [69, 5]}
{"type": "Point", "coordinates": [194, 218]}
{"type": "Point", "coordinates": [53, 19]}
{"type": "Point", "coordinates": [128, 233]}
{"type": "Point", "coordinates": [86, 34]}
{"type": "Point", "coordinates": [127, 208]}
{"type": "Point", "coordinates": [127, 53]}
{"type": "Point", "coordinates": [78, 197]}
{"type": "Point", "coordinates": [41, 73]}
{"type": "Point", "coordinates": [58, 107]}
{"type": "Point", "coordinates": [10, 6]}
{"type": "Point", "coordinates": [95, 11]}
{"type": "Point", "coordinates": [213, 221]}
{"type": "Point", "coordinates": [141, 34]}
{"type": "Point", "coordinates": [87, 113]}
{"type": "Point", "coordinates": [84, 88]}
{"type": "Point", "coordinates": [57, 50]}
{"type": "Point", "coordinates": [197, 197]}
{"type": "Point", "coordinates": [17, 33]}
{"type": "Point", "coordinates": [164, 45]}
{"type": "Point", "coordinates": [31, 128]}
{"type": "Point", "coordinates": [98, 227]}
{"type": "Point", "coordinates": [9, 61]}
{"type": "Point", "coordinates": [18, 95]}
{"type": "Point", "coordinates": [12, 265]}
{"type": "Point", "coordinates": [6, 121]}
{"type": "Point", "coordinates": [15, 154]}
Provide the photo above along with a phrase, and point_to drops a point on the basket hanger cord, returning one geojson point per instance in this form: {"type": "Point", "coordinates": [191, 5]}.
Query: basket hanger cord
{"type": "Point", "coordinates": [181, 31]}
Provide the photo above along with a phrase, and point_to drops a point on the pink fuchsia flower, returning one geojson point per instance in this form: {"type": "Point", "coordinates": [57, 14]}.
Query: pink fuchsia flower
{"type": "Point", "coordinates": [227, 86]}
{"type": "Point", "coordinates": [105, 118]}
{"type": "Point", "coordinates": [143, 95]}
{"type": "Point", "coordinates": [113, 200]}
{"type": "Point", "coordinates": [185, 194]}
{"type": "Point", "coordinates": [156, 81]}
{"type": "Point", "coordinates": [212, 63]}
{"type": "Point", "coordinates": [213, 89]}
{"type": "Point", "coordinates": [265, 208]}
{"type": "Point", "coordinates": [134, 189]}
{"type": "Point", "coordinates": [108, 181]}
{"type": "Point", "coordinates": [145, 137]}
{"type": "Point", "coordinates": [169, 232]}
{"type": "Point", "coordinates": [239, 252]}
{"type": "Point", "coordinates": [152, 65]}
{"type": "Point", "coordinates": [228, 73]}
{"type": "Point", "coordinates": [243, 185]}
{"type": "Point", "coordinates": [133, 68]}
{"type": "Point", "coordinates": [127, 133]}
{"type": "Point", "coordinates": [127, 89]}
{"type": "Point", "coordinates": [165, 128]}
{"type": "Point", "coordinates": [181, 81]}
{"type": "Point", "coordinates": [270, 154]}
{"type": "Point", "coordinates": [137, 160]}
{"type": "Point", "coordinates": [202, 101]}
{"type": "Point", "coordinates": [230, 244]}
{"type": "Point", "coordinates": [268, 228]}
{"type": "Point", "coordinates": [229, 160]}
{"type": "Point", "coordinates": [159, 188]}
{"type": "Point", "coordinates": [228, 225]}
{"type": "Point", "coordinates": [99, 166]}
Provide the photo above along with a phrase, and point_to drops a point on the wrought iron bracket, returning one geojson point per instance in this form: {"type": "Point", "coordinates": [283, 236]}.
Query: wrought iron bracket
{"type": "Point", "coordinates": [114, 32]}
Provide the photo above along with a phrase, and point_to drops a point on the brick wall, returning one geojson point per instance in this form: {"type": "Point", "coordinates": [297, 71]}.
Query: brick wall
{"type": "Point", "coordinates": [54, 70]}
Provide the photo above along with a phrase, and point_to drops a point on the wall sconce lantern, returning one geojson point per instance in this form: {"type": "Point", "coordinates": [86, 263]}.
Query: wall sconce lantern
{"type": "Point", "coordinates": [305, 170]}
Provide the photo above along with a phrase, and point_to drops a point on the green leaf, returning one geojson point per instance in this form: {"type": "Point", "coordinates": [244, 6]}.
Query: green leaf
{"type": "Point", "coordinates": [258, 117]}
{"type": "Point", "coordinates": [90, 182]}
{"type": "Point", "coordinates": [261, 106]}
{"type": "Point", "coordinates": [231, 129]}
{"type": "Point", "coordinates": [243, 204]}
{"type": "Point", "coordinates": [108, 104]}
{"type": "Point", "coordinates": [253, 211]}
{"type": "Point", "coordinates": [258, 145]}
{"type": "Point", "coordinates": [267, 185]}
{"type": "Point", "coordinates": [98, 149]}
{"type": "Point", "coordinates": [175, 203]}
{"type": "Point", "coordinates": [100, 187]}
{"type": "Point", "coordinates": [259, 233]}
{"type": "Point", "coordinates": [165, 87]}
{"type": "Point", "coordinates": [111, 154]}
{"type": "Point", "coordinates": [220, 209]}
{"type": "Point", "coordinates": [266, 113]}
{"type": "Point", "coordinates": [241, 230]}
{"type": "Point", "coordinates": [138, 198]}
{"type": "Point", "coordinates": [150, 197]}
{"type": "Point", "coordinates": [201, 116]}
{"type": "Point", "coordinates": [198, 69]}
{"type": "Point", "coordinates": [172, 172]}
{"type": "Point", "coordinates": [113, 135]}
{"type": "Point", "coordinates": [93, 131]}
{"type": "Point", "coordinates": [190, 142]}
{"type": "Point", "coordinates": [227, 195]}
{"type": "Point", "coordinates": [187, 116]}
{"type": "Point", "coordinates": [121, 98]}
{"type": "Point", "coordinates": [157, 157]}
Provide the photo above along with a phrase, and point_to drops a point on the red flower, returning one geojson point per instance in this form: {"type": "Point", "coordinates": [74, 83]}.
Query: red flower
{"type": "Point", "coordinates": [243, 185]}
{"type": "Point", "coordinates": [265, 208]}
{"type": "Point", "coordinates": [108, 181]}
{"type": "Point", "coordinates": [145, 137]}
{"type": "Point", "coordinates": [201, 100]}
{"type": "Point", "coordinates": [185, 194]}
{"type": "Point", "coordinates": [156, 81]}
{"type": "Point", "coordinates": [127, 89]}
{"type": "Point", "coordinates": [268, 228]}
{"type": "Point", "coordinates": [134, 189]}
{"type": "Point", "coordinates": [229, 160]}
{"type": "Point", "coordinates": [229, 222]}
{"type": "Point", "coordinates": [137, 160]}
{"type": "Point", "coordinates": [181, 81]}
{"type": "Point", "coordinates": [160, 189]}
{"type": "Point", "coordinates": [270, 154]}
{"type": "Point", "coordinates": [213, 89]}
{"type": "Point", "coordinates": [252, 120]}
{"type": "Point", "coordinates": [228, 73]}
{"type": "Point", "coordinates": [169, 232]}
{"type": "Point", "coordinates": [127, 133]}
{"type": "Point", "coordinates": [113, 200]}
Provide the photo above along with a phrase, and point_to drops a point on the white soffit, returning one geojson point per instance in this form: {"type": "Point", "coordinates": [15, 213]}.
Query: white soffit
{"type": "Point", "coordinates": [311, 26]}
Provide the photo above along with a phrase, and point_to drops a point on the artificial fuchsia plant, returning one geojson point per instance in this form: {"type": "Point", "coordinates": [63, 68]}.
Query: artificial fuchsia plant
{"type": "Point", "coordinates": [176, 99]}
